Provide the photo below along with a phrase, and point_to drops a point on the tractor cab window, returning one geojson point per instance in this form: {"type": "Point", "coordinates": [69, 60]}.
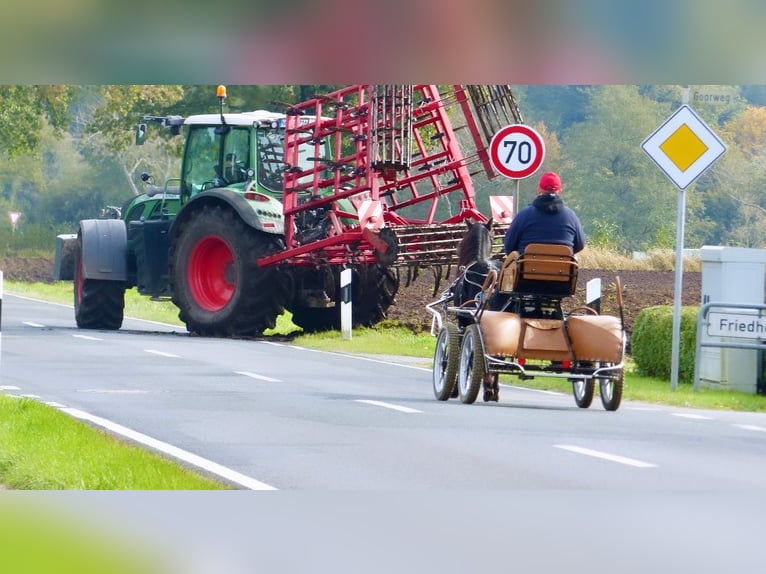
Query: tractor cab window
{"type": "Point", "coordinates": [236, 155]}
{"type": "Point", "coordinates": [215, 157]}
{"type": "Point", "coordinates": [201, 160]}
{"type": "Point", "coordinates": [271, 158]}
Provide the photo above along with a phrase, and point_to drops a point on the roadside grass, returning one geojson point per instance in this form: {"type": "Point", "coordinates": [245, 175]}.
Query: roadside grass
{"type": "Point", "coordinates": [42, 448]}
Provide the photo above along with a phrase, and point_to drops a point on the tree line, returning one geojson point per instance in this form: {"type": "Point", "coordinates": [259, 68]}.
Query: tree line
{"type": "Point", "coordinates": [67, 151]}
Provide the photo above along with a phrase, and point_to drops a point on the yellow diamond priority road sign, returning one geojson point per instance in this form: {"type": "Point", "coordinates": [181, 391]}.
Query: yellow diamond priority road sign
{"type": "Point", "coordinates": [683, 147]}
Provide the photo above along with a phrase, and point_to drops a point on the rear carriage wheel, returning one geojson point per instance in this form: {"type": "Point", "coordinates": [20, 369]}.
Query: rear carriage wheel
{"type": "Point", "coordinates": [583, 390]}
{"type": "Point", "coordinates": [610, 388]}
{"type": "Point", "coordinates": [446, 361]}
{"type": "Point", "coordinates": [471, 370]}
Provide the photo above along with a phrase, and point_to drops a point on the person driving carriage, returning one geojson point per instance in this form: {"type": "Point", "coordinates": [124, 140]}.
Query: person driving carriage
{"type": "Point", "coordinates": [546, 220]}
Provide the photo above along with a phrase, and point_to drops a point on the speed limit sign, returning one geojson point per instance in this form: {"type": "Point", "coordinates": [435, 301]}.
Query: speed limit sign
{"type": "Point", "coordinates": [516, 151]}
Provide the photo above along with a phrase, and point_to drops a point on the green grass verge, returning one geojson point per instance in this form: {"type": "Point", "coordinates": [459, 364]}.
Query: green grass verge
{"type": "Point", "coordinates": [42, 448]}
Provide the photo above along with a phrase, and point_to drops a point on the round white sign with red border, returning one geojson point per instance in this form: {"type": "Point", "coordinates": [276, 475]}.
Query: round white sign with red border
{"type": "Point", "coordinates": [516, 151]}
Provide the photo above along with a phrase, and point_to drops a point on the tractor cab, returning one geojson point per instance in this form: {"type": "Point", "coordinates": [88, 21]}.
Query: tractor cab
{"type": "Point", "coordinates": [238, 151]}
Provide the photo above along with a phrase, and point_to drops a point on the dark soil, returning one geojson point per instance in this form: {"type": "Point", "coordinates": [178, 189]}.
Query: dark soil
{"type": "Point", "coordinates": [641, 289]}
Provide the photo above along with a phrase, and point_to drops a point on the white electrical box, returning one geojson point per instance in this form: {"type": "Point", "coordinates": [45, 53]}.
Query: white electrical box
{"type": "Point", "coordinates": [731, 275]}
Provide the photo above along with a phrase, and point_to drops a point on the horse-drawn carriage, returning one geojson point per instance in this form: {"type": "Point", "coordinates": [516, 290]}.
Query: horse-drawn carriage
{"type": "Point", "coordinates": [508, 319]}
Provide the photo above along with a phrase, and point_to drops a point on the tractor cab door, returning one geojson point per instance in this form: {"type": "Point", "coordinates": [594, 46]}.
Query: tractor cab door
{"type": "Point", "coordinates": [215, 156]}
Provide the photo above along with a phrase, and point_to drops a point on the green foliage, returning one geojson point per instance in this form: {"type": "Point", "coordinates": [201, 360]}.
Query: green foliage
{"type": "Point", "coordinates": [67, 151]}
{"type": "Point", "coordinates": [652, 338]}
{"type": "Point", "coordinates": [25, 110]}
{"type": "Point", "coordinates": [604, 235]}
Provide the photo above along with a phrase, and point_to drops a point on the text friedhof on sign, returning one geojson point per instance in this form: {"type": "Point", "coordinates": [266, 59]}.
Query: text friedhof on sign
{"type": "Point", "coordinates": [738, 325]}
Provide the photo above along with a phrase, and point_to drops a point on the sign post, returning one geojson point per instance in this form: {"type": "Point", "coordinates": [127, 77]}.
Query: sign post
{"type": "Point", "coordinates": [345, 305]}
{"type": "Point", "coordinates": [14, 217]}
{"type": "Point", "coordinates": [516, 151]}
{"type": "Point", "coordinates": [683, 148]}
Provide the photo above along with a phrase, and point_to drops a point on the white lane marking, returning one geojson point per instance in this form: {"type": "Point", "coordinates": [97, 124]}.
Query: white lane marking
{"type": "Point", "coordinates": [9, 388]}
{"type": "Point", "coordinates": [30, 396]}
{"type": "Point", "coordinates": [54, 404]}
{"type": "Point", "coordinates": [115, 391]}
{"type": "Point", "coordinates": [169, 449]}
{"type": "Point", "coordinates": [259, 377]}
{"type": "Point", "coordinates": [32, 324]}
{"type": "Point", "coordinates": [645, 409]}
{"type": "Point", "coordinates": [751, 427]}
{"type": "Point", "coordinates": [360, 357]}
{"type": "Point", "coordinates": [543, 391]}
{"type": "Point", "coordinates": [71, 306]}
{"type": "Point", "coordinates": [388, 406]}
{"type": "Point", "coordinates": [691, 416]}
{"type": "Point", "coordinates": [605, 456]}
{"type": "Point", "coordinates": [162, 353]}
{"type": "Point", "coordinates": [87, 337]}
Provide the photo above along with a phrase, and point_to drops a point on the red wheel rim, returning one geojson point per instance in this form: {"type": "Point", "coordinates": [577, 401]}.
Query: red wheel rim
{"type": "Point", "coordinates": [212, 276]}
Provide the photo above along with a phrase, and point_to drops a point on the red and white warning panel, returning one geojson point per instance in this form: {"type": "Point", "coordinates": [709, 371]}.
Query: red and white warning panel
{"type": "Point", "coordinates": [502, 208]}
{"type": "Point", "coordinates": [371, 214]}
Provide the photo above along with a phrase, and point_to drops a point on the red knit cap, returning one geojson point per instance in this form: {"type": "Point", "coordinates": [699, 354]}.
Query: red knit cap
{"type": "Point", "coordinates": [550, 182]}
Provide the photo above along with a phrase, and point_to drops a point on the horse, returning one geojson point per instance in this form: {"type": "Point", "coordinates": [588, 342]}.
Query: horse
{"type": "Point", "coordinates": [474, 261]}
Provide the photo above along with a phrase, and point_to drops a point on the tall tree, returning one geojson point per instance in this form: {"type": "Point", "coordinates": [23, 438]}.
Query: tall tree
{"type": "Point", "coordinates": [740, 176]}
{"type": "Point", "coordinates": [24, 112]}
{"type": "Point", "coordinates": [609, 180]}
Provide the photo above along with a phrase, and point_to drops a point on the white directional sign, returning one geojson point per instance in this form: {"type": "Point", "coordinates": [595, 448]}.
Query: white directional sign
{"type": "Point", "coordinates": [738, 325]}
{"type": "Point", "coordinates": [516, 151]}
{"type": "Point", "coordinates": [683, 147]}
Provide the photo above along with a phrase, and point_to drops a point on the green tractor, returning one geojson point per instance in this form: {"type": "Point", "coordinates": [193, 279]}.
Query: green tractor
{"type": "Point", "coordinates": [270, 207]}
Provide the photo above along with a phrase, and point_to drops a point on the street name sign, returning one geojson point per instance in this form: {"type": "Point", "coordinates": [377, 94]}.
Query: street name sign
{"type": "Point", "coordinates": [738, 325]}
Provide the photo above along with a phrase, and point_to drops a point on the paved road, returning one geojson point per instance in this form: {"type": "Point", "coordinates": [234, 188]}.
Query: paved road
{"type": "Point", "coordinates": [352, 433]}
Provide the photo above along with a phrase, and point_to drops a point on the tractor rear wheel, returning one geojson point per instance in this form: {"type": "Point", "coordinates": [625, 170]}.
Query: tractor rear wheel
{"type": "Point", "coordinates": [217, 284]}
{"type": "Point", "coordinates": [98, 303]}
{"type": "Point", "coordinates": [373, 291]}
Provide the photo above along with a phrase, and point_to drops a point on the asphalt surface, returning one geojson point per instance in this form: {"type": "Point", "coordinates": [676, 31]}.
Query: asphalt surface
{"type": "Point", "coordinates": [373, 472]}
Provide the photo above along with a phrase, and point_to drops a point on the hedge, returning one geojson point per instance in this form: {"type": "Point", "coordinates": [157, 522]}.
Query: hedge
{"type": "Point", "coordinates": [651, 342]}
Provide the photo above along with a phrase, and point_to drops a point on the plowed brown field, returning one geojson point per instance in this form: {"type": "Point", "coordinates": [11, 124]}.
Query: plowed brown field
{"type": "Point", "coordinates": [640, 289]}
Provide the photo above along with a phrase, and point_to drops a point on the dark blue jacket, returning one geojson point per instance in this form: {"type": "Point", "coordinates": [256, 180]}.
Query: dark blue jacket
{"type": "Point", "coordinates": [546, 220]}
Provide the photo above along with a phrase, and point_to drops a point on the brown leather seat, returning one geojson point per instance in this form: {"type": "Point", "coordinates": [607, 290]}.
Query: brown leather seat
{"type": "Point", "coordinates": [545, 269]}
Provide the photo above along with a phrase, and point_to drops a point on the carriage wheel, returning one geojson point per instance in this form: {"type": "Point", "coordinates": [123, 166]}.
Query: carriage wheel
{"type": "Point", "coordinates": [610, 389]}
{"type": "Point", "coordinates": [583, 392]}
{"type": "Point", "coordinates": [446, 361]}
{"type": "Point", "coordinates": [471, 370]}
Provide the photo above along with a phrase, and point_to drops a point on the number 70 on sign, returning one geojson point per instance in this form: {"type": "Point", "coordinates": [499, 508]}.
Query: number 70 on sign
{"type": "Point", "coordinates": [516, 151]}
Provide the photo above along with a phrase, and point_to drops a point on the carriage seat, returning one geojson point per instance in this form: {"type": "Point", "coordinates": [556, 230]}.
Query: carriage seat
{"type": "Point", "coordinates": [544, 269]}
